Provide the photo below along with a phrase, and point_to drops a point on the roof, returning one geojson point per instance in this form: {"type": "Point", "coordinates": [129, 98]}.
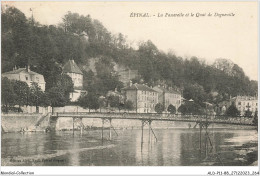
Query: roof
{"type": "Point", "coordinates": [71, 67]}
{"type": "Point", "coordinates": [19, 70]}
{"type": "Point", "coordinates": [242, 98]}
{"type": "Point", "coordinates": [139, 87]}
{"type": "Point", "coordinates": [167, 90]}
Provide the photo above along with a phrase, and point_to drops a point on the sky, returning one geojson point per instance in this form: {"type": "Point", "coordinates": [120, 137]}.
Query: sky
{"type": "Point", "coordinates": [232, 37]}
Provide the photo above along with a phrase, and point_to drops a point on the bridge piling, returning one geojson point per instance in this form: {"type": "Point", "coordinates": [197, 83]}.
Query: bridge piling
{"type": "Point", "coordinates": [73, 125]}
{"type": "Point", "coordinates": [110, 128]}
{"type": "Point", "coordinates": [149, 140]}
{"type": "Point", "coordinates": [102, 129]}
{"type": "Point", "coordinates": [206, 145]}
{"type": "Point", "coordinates": [142, 132]}
{"type": "Point", "coordinates": [81, 127]}
{"type": "Point", "coordinates": [200, 125]}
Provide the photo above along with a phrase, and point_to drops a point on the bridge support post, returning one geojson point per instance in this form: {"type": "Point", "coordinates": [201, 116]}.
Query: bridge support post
{"type": "Point", "coordinates": [81, 127]}
{"type": "Point", "coordinates": [110, 128]}
{"type": "Point", "coordinates": [200, 134]}
{"type": "Point", "coordinates": [148, 122]}
{"type": "Point", "coordinates": [73, 125]}
{"type": "Point", "coordinates": [149, 140]}
{"type": "Point", "coordinates": [142, 138]}
{"type": "Point", "coordinates": [102, 129]}
{"type": "Point", "coordinates": [206, 145]}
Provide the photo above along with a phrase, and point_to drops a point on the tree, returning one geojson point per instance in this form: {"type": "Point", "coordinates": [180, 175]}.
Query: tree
{"type": "Point", "coordinates": [182, 109]}
{"type": "Point", "coordinates": [159, 108]}
{"type": "Point", "coordinates": [65, 82]}
{"type": "Point", "coordinates": [36, 96]}
{"type": "Point", "coordinates": [121, 106]}
{"type": "Point", "coordinates": [190, 108]}
{"type": "Point", "coordinates": [56, 97]}
{"type": "Point", "coordinates": [232, 111]}
{"type": "Point", "coordinates": [21, 89]}
{"type": "Point", "coordinates": [93, 99]}
{"type": "Point", "coordinates": [83, 102]}
{"type": "Point", "coordinates": [8, 95]}
{"type": "Point", "coordinates": [113, 101]}
{"type": "Point", "coordinates": [171, 109]}
{"type": "Point", "coordinates": [195, 92]}
{"type": "Point", "coordinates": [47, 47]}
{"type": "Point", "coordinates": [89, 101]}
{"type": "Point", "coordinates": [248, 113]}
{"type": "Point", "coordinates": [129, 105]}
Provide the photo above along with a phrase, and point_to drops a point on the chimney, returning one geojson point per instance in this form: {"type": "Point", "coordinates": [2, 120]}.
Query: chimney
{"type": "Point", "coordinates": [28, 68]}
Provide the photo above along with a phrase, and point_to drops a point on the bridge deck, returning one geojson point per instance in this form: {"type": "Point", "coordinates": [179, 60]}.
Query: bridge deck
{"type": "Point", "coordinates": [160, 117]}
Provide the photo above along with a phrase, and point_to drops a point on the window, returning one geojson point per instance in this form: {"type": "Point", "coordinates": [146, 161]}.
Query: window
{"type": "Point", "coordinates": [26, 77]}
{"type": "Point", "coordinates": [239, 103]}
{"type": "Point", "coordinates": [37, 79]}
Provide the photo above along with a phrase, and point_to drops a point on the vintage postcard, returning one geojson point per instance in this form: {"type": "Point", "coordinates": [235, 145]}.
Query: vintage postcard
{"type": "Point", "coordinates": [129, 84]}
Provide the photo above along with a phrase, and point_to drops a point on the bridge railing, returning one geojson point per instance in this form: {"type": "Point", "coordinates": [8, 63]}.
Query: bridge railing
{"type": "Point", "coordinates": [162, 116]}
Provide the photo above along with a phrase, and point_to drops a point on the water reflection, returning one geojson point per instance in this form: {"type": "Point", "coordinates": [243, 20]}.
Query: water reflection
{"type": "Point", "coordinates": [74, 154]}
{"type": "Point", "coordinates": [175, 147]}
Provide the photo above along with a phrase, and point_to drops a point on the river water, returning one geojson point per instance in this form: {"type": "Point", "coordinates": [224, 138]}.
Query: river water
{"type": "Point", "coordinates": [175, 147]}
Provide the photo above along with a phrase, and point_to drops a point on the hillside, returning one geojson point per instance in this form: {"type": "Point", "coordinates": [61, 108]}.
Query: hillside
{"type": "Point", "coordinates": [90, 44]}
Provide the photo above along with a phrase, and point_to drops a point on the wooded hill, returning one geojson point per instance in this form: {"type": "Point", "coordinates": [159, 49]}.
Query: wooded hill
{"type": "Point", "coordinates": [47, 48]}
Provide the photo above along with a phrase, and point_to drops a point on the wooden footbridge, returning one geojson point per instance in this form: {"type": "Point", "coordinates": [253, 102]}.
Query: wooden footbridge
{"type": "Point", "coordinates": [202, 121]}
{"type": "Point", "coordinates": [244, 121]}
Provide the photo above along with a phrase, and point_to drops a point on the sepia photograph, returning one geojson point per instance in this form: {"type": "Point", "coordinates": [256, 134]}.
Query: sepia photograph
{"type": "Point", "coordinates": [130, 84]}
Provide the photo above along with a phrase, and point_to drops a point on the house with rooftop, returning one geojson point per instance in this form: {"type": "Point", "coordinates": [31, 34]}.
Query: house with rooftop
{"type": "Point", "coordinates": [245, 103]}
{"type": "Point", "coordinates": [72, 69]}
{"type": "Point", "coordinates": [26, 75]}
{"type": "Point", "coordinates": [143, 97]}
{"type": "Point", "coordinates": [168, 96]}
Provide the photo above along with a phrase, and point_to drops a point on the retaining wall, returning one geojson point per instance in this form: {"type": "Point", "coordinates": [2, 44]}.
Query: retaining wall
{"type": "Point", "coordinates": [22, 122]}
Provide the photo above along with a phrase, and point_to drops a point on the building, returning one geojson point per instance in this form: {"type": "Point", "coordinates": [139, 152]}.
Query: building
{"type": "Point", "coordinates": [143, 97]}
{"type": "Point", "coordinates": [26, 75]}
{"type": "Point", "coordinates": [244, 103]}
{"type": "Point", "coordinates": [168, 96]}
{"type": "Point", "coordinates": [71, 69]}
